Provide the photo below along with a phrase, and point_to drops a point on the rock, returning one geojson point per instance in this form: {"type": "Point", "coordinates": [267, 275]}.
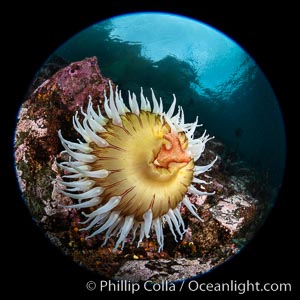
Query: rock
{"type": "Point", "coordinates": [50, 108]}
{"type": "Point", "coordinates": [163, 269]}
{"type": "Point", "coordinates": [75, 83]}
{"type": "Point", "coordinates": [233, 212]}
{"type": "Point", "coordinates": [129, 271]}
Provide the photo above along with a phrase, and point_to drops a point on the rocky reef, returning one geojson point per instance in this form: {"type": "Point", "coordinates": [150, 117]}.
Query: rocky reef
{"type": "Point", "coordinates": [49, 108]}
{"type": "Point", "coordinates": [231, 216]}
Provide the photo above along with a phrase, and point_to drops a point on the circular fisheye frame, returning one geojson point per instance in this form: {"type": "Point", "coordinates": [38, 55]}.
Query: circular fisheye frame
{"type": "Point", "coordinates": [150, 147]}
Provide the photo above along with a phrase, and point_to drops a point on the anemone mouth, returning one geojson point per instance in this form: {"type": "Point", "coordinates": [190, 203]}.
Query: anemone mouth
{"type": "Point", "coordinates": [134, 168]}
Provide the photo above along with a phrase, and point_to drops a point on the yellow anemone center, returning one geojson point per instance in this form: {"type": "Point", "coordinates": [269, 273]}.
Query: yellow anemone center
{"type": "Point", "coordinates": [148, 165]}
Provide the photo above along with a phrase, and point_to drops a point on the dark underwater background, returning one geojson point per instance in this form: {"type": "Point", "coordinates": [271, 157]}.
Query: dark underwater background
{"type": "Point", "coordinates": [267, 36]}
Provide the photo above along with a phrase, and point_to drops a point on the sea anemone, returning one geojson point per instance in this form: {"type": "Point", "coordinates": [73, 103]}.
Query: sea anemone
{"type": "Point", "coordinates": [133, 168]}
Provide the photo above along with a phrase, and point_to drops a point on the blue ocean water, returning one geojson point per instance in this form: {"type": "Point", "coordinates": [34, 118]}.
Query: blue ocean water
{"type": "Point", "coordinates": [212, 77]}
